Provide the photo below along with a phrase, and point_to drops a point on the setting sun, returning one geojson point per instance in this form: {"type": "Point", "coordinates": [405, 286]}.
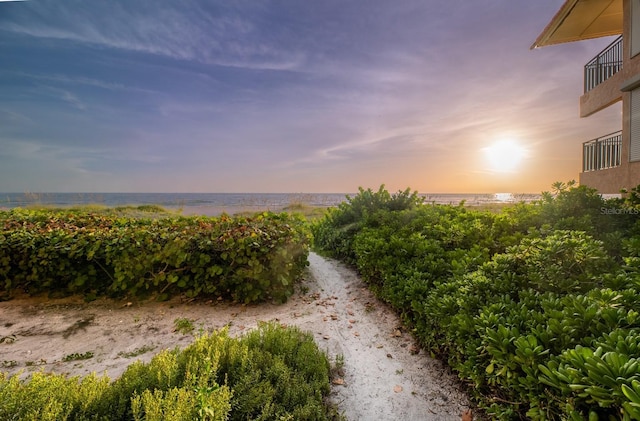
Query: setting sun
{"type": "Point", "coordinates": [504, 156]}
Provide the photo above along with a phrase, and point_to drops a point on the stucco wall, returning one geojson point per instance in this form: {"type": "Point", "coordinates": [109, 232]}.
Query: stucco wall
{"type": "Point", "coordinates": [606, 181]}
{"type": "Point", "coordinates": [603, 95]}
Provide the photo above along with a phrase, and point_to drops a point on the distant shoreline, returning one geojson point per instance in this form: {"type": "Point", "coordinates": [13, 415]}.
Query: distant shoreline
{"type": "Point", "coordinates": [215, 204]}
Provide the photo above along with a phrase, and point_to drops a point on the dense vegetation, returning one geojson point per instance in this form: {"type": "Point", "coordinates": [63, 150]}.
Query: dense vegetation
{"type": "Point", "coordinates": [272, 373]}
{"type": "Point", "coordinates": [246, 259]}
{"type": "Point", "coordinates": [536, 306]}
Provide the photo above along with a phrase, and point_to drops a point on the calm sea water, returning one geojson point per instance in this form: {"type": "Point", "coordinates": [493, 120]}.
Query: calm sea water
{"type": "Point", "coordinates": [217, 203]}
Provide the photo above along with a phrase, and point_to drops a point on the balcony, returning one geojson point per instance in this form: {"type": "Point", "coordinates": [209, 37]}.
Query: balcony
{"type": "Point", "coordinates": [602, 153]}
{"type": "Point", "coordinates": [604, 65]}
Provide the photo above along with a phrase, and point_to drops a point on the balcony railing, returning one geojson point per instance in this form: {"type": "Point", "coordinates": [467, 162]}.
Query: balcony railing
{"type": "Point", "coordinates": [602, 153]}
{"type": "Point", "coordinates": [604, 65]}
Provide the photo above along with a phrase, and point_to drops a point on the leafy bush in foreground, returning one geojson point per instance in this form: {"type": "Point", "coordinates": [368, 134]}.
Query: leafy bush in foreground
{"type": "Point", "coordinates": [536, 307]}
{"type": "Point", "coordinates": [272, 373]}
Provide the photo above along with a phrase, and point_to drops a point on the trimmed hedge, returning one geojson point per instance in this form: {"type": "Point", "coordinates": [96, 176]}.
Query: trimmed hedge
{"type": "Point", "coordinates": [536, 307]}
{"type": "Point", "coordinates": [241, 258]}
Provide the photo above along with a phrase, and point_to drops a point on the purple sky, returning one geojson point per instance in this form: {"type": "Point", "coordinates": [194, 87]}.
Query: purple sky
{"type": "Point", "coordinates": [287, 96]}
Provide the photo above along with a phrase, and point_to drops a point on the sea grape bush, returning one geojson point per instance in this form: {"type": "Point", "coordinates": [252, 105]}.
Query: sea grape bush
{"type": "Point", "coordinates": [271, 373]}
{"type": "Point", "coordinates": [536, 307]}
{"type": "Point", "coordinates": [241, 258]}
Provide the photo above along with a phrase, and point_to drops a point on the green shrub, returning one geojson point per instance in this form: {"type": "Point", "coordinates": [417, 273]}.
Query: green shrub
{"type": "Point", "coordinates": [535, 307]}
{"type": "Point", "coordinates": [271, 373]}
{"type": "Point", "coordinates": [598, 381]}
{"type": "Point", "coordinates": [334, 233]}
{"type": "Point", "coordinates": [51, 397]}
{"type": "Point", "coordinates": [562, 262]}
{"type": "Point", "coordinates": [244, 259]}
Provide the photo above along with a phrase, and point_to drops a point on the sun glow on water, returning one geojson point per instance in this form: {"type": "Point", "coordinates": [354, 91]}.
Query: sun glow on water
{"type": "Point", "coordinates": [504, 197]}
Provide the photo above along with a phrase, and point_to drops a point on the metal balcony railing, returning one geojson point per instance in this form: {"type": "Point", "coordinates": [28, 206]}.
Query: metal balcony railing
{"type": "Point", "coordinates": [604, 65]}
{"type": "Point", "coordinates": [602, 153]}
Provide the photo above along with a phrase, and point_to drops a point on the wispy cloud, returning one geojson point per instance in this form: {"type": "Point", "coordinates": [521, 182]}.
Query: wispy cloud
{"type": "Point", "coordinates": [178, 30]}
{"type": "Point", "coordinates": [66, 96]}
{"type": "Point", "coordinates": [41, 156]}
{"type": "Point", "coordinates": [81, 80]}
{"type": "Point", "coordinates": [11, 117]}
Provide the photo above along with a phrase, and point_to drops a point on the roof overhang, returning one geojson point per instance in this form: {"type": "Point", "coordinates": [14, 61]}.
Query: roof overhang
{"type": "Point", "coordinates": [578, 20]}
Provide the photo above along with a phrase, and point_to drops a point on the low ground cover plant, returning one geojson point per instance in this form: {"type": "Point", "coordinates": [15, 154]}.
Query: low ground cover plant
{"type": "Point", "coordinates": [536, 307]}
{"type": "Point", "coordinates": [245, 259]}
{"type": "Point", "coordinates": [271, 373]}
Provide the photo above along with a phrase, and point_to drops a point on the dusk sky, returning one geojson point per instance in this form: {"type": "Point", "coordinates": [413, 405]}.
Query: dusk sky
{"type": "Point", "coordinates": [289, 96]}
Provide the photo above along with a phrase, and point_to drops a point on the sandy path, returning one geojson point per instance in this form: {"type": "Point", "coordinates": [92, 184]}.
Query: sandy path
{"type": "Point", "coordinates": [384, 377]}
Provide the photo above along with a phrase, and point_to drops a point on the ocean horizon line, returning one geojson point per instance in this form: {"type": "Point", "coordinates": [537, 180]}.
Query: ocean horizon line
{"type": "Point", "coordinates": [35, 196]}
{"type": "Point", "coordinates": [215, 204]}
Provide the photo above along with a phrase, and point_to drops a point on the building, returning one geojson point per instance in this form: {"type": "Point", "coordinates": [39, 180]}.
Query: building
{"type": "Point", "coordinates": [610, 162]}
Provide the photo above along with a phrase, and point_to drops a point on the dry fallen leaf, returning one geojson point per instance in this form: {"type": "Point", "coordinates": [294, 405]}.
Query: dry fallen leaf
{"type": "Point", "coordinates": [467, 415]}
{"type": "Point", "coordinates": [338, 381]}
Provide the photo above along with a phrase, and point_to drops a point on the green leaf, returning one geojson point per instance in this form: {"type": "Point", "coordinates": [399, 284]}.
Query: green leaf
{"type": "Point", "coordinates": [489, 368]}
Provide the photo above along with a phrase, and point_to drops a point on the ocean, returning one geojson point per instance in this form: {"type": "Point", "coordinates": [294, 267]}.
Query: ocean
{"type": "Point", "coordinates": [213, 204]}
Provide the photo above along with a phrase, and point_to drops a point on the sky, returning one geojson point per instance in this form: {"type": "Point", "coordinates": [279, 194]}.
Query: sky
{"type": "Point", "coordinates": [289, 96]}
